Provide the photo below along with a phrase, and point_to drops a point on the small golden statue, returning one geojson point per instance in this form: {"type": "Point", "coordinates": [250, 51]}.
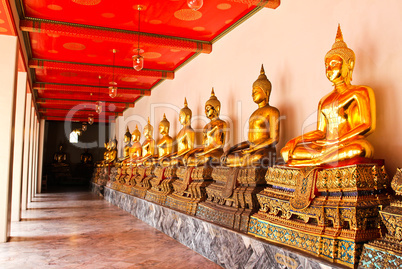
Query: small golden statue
{"type": "Point", "coordinates": [214, 135]}
{"type": "Point", "coordinates": [127, 142]}
{"type": "Point", "coordinates": [135, 151]}
{"type": "Point", "coordinates": [113, 150]}
{"type": "Point", "coordinates": [185, 138]}
{"type": "Point", "coordinates": [345, 116]}
{"type": "Point", "coordinates": [148, 146]}
{"type": "Point", "coordinates": [165, 144]}
{"type": "Point", "coordinates": [60, 156]}
{"type": "Point", "coordinates": [106, 153]}
{"type": "Point", "coordinates": [86, 157]}
{"type": "Point", "coordinates": [263, 132]}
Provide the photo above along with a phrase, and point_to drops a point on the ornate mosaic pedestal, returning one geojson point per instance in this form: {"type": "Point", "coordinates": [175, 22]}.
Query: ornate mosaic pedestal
{"type": "Point", "coordinates": [189, 188]}
{"type": "Point", "coordinates": [114, 178]}
{"type": "Point", "coordinates": [96, 174]}
{"type": "Point", "coordinates": [161, 184]}
{"type": "Point", "coordinates": [387, 252]}
{"type": "Point", "coordinates": [142, 180]}
{"type": "Point", "coordinates": [330, 212]}
{"type": "Point", "coordinates": [231, 198]}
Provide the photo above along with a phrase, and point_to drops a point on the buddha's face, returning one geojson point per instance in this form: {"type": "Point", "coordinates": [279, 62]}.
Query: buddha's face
{"type": "Point", "coordinates": [147, 132]}
{"type": "Point", "coordinates": [259, 95]}
{"type": "Point", "coordinates": [135, 137]}
{"type": "Point", "coordinates": [126, 139]}
{"type": "Point", "coordinates": [210, 112]}
{"type": "Point", "coordinates": [333, 67]}
{"type": "Point", "coordinates": [183, 118]}
{"type": "Point", "coordinates": [163, 129]}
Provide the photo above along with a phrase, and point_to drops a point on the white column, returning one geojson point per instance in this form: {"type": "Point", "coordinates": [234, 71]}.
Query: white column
{"type": "Point", "coordinates": [36, 156]}
{"type": "Point", "coordinates": [25, 167]}
{"type": "Point", "coordinates": [31, 142]}
{"type": "Point", "coordinates": [34, 163]}
{"type": "Point", "coordinates": [40, 160]}
{"type": "Point", "coordinates": [18, 146]}
{"type": "Point", "coordinates": [8, 77]}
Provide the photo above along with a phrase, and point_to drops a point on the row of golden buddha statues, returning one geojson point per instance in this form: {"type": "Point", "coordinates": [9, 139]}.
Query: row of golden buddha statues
{"type": "Point", "coordinates": [326, 196]}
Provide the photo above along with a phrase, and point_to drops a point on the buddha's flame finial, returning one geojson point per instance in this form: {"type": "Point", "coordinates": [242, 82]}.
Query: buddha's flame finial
{"type": "Point", "coordinates": [148, 121]}
{"type": "Point", "coordinates": [127, 130]}
{"type": "Point", "coordinates": [185, 102]}
{"type": "Point", "coordinates": [262, 72]}
{"type": "Point", "coordinates": [339, 36]}
{"type": "Point", "coordinates": [136, 126]}
{"type": "Point", "coordinates": [212, 92]}
{"type": "Point", "coordinates": [164, 116]}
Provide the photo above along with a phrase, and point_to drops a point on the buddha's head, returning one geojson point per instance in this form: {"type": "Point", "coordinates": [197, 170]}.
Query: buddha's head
{"type": "Point", "coordinates": [107, 145]}
{"type": "Point", "coordinates": [339, 61]}
{"type": "Point", "coordinates": [185, 114]}
{"type": "Point", "coordinates": [148, 130]}
{"type": "Point", "coordinates": [261, 87]}
{"type": "Point", "coordinates": [127, 136]}
{"type": "Point", "coordinates": [212, 106]}
{"type": "Point", "coordinates": [136, 135]}
{"type": "Point", "coordinates": [113, 143]}
{"type": "Point", "coordinates": [164, 126]}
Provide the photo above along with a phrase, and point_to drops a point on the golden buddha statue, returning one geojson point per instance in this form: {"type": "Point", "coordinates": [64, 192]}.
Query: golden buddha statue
{"type": "Point", "coordinates": [107, 152]}
{"type": "Point", "coordinates": [345, 116]}
{"type": "Point", "coordinates": [263, 132]}
{"type": "Point", "coordinates": [86, 157]}
{"type": "Point", "coordinates": [60, 156]}
{"type": "Point", "coordinates": [214, 135]}
{"type": "Point", "coordinates": [113, 150]}
{"type": "Point", "coordinates": [127, 142]}
{"type": "Point", "coordinates": [185, 138]}
{"type": "Point", "coordinates": [165, 144]}
{"type": "Point", "coordinates": [135, 151]}
{"type": "Point", "coordinates": [148, 146]}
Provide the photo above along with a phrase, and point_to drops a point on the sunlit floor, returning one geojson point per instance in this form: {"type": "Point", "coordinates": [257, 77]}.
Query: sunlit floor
{"type": "Point", "coordinates": [80, 230]}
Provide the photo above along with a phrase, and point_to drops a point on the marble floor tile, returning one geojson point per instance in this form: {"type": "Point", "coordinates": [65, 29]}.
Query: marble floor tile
{"type": "Point", "coordinates": [80, 230]}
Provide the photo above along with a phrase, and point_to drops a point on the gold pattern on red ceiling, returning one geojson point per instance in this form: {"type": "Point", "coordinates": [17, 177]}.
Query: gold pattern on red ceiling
{"type": "Point", "coordinates": [71, 44]}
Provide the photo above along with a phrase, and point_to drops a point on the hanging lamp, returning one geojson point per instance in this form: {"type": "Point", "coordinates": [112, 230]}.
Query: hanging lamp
{"type": "Point", "coordinates": [138, 60]}
{"type": "Point", "coordinates": [113, 84]}
{"type": "Point", "coordinates": [195, 4]}
{"type": "Point", "coordinates": [98, 107]}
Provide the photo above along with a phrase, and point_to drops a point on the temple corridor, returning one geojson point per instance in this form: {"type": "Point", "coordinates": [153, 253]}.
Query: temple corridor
{"type": "Point", "coordinates": [77, 229]}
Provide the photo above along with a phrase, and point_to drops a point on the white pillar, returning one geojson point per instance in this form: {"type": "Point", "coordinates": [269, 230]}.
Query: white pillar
{"type": "Point", "coordinates": [40, 160]}
{"type": "Point", "coordinates": [25, 168]}
{"type": "Point", "coordinates": [31, 142]}
{"type": "Point", "coordinates": [36, 156]}
{"type": "Point", "coordinates": [18, 146]}
{"type": "Point", "coordinates": [8, 76]}
{"type": "Point", "coordinates": [34, 141]}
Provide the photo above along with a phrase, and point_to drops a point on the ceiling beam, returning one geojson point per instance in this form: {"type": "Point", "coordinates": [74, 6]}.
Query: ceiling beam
{"type": "Point", "coordinates": [99, 69]}
{"type": "Point", "coordinates": [261, 3]}
{"type": "Point", "coordinates": [36, 25]}
{"type": "Point", "coordinates": [58, 111]}
{"type": "Point", "coordinates": [77, 104]}
{"type": "Point", "coordinates": [105, 120]}
{"type": "Point", "coordinates": [87, 89]}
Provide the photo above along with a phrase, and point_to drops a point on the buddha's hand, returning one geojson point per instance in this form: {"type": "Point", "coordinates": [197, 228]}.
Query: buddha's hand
{"type": "Point", "coordinates": [324, 143]}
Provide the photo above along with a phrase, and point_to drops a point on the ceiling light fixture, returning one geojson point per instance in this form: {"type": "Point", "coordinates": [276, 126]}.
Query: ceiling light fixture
{"type": "Point", "coordinates": [84, 126]}
{"type": "Point", "coordinates": [98, 107]}
{"type": "Point", "coordinates": [195, 4]}
{"type": "Point", "coordinates": [90, 119]}
{"type": "Point", "coordinates": [113, 84]}
{"type": "Point", "coordinates": [138, 60]}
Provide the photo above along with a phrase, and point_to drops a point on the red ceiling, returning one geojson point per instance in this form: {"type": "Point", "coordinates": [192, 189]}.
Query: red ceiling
{"type": "Point", "coordinates": [70, 44]}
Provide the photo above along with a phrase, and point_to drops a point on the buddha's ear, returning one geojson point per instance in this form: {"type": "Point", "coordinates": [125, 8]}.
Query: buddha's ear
{"type": "Point", "coordinates": [351, 63]}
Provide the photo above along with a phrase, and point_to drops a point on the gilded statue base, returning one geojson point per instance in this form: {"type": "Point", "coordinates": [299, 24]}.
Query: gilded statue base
{"type": "Point", "coordinates": [231, 198]}
{"type": "Point", "coordinates": [143, 176]}
{"type": "Point", "coordinates": [327, 211]}
{"type": "Point", "coordinates": [161, 184]}
{"type": "Point", "coordinates": [189, 188]}
{"type": "Point", "coordinates": [387, 252]}
{"type": "Point", "coordinates": [103, 175]}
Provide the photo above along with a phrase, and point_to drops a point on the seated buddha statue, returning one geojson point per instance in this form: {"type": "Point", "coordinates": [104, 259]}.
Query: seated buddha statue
{"type": "Point", "coordinates": [214, 135]}
{"type": "Point", "coordinates": [263, 130]}
{"type": "Point", "coordinates": [135, 151]}
{"type": "Point", "coordinates": [148, 146]}
{"type": "Point", "coordinates": [165, 144]}
{"type": "Point", "coordinates": [60, 156]}
{"type": "Point", "coordinates": [113, 150]}
{"type": "Point", "coordinates": [107, 152]}
{"type": "Point", "coordinates": [86, 157]}
{"type": "Point", "coordinates": [185, 138]}
{"type": "Point", "coordinates": [346, 116]}
{"type": "Point", "coordinates": [127, 142]}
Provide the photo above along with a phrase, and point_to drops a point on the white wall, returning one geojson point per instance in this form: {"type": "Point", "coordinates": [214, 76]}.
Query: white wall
{"type": "Point", "coordinates": [291, 42]}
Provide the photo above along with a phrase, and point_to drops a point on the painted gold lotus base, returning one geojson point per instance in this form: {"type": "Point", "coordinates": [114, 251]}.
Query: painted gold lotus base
{"type": "Point", "coordinates": [231, 198]}
{"type": "Point", "coordinates": [144, 174]}
{"type": "Point", "coordinates": [189, 188]}
{"type": "Point", "coordinates": [161, 184]}
{"type": "Point", "coordinates": [327, 211]}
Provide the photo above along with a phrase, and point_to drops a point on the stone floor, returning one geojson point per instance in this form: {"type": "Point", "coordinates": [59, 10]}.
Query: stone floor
{"type": "Point", "coordinates": [80, 230]}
